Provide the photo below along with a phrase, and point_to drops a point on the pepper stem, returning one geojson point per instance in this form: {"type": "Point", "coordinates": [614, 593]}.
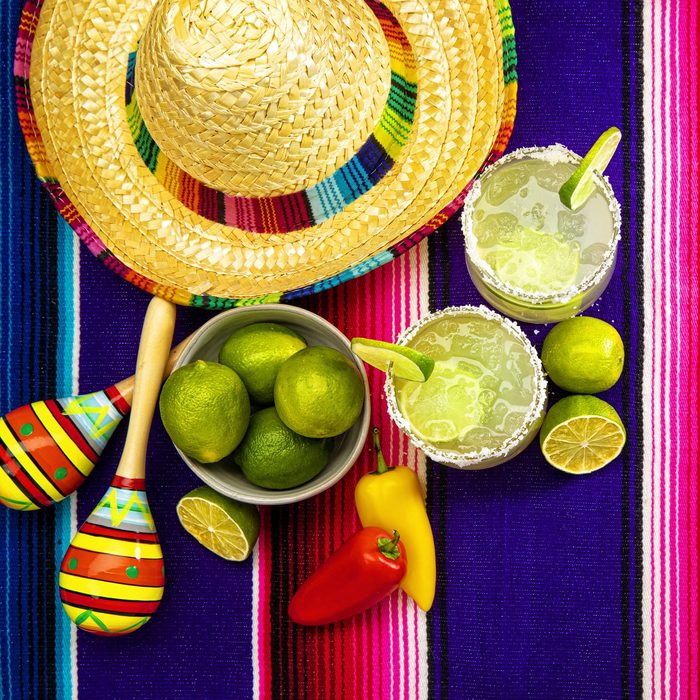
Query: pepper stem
{"type": "Point", "coordinates": [389, 548]}
{"type": "Point", "coordinates": [381, 464]}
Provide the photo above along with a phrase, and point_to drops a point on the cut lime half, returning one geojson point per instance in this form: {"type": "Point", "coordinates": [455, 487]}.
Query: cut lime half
{"type": "Point", "coordinates": [581, 434]}
{"type": "Point", "coordinates": [580, 186]}
{"type": "Point", "coordinates": [406, 362]}
{"type": "Point", "coordinates": [224, 526]}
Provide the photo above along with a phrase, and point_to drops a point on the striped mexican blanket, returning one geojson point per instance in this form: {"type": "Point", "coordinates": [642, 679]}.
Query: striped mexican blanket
{"type": "Point", "coordinates": [549, 586]}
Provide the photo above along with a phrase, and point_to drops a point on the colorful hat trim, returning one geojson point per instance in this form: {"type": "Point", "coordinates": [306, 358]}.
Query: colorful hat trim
{"type": "Point", "coordinates": [305, 208]}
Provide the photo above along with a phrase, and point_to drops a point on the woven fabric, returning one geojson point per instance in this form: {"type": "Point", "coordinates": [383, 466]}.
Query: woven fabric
{"type": "Point", "coordinates": [549, 586]}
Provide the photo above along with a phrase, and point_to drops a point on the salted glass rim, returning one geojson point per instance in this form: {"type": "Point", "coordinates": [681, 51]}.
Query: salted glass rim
{"type": "Point", "coordinates": [556, 153]}
{"type": "Point", "coordinates": [535, 410]}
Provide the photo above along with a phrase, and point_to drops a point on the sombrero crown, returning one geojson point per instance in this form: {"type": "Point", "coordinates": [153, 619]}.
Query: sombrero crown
{"type": "Point", "coordinates": [264, 99]}
{"type": "Point", "coordinates": [262, 146]}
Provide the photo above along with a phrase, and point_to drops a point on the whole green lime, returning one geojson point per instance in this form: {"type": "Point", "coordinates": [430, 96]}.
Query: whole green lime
{"type": "Point", "coordinates": [275, 457]}
{"type": "Point", "coordinates": [256, 353]}
{"type": "Point", "coordinates": [583, 355]}
{"type": "Point", "coordinates": [319, 392]}
{"type": "Point", "coordinates": [205, 409]}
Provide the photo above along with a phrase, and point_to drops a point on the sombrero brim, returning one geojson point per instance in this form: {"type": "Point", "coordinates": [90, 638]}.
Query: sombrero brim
{"type": "Point", "coordinates": [145, 236]}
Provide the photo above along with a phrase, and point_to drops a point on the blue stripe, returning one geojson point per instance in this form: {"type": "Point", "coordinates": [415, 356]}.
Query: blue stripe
{"type": "Point", "coordinates": [64, 387]}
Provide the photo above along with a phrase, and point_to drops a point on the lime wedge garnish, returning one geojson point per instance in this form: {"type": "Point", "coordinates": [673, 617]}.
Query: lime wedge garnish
{"type": "Point", "coordinates": [226, 527]}
{"type": "Point", "coordinates": [579, 187]}
{"type": "Point", "coordinates": [407, 363]}
{"type": "Point", "coordinates": [581, 434]}
{"type": "Point", "coordinates": [536, 262]}
{"type": "Point", "coordinates": [443, 408]}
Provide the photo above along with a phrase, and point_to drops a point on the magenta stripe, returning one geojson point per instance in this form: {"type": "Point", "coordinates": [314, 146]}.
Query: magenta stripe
{"type": "Point", "coordinates": [689, 685]}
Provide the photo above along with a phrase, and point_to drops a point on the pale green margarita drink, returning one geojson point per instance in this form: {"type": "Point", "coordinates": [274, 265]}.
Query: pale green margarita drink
{"type": "Point", "coordinates": [530, 256]}
{"type": "Point", "coordinates": [485, 399]}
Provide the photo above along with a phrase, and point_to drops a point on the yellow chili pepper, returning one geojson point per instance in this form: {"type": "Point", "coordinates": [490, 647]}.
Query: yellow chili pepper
{"type": "Point", "coordinates": [392, 498]}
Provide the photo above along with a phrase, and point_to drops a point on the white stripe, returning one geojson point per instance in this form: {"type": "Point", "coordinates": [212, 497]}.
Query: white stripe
{"type": "Point", "coordinates": [665, 248]}
{"type": "Point", "coordinates": [656, 372]}
{"type": "Point", "coordinates": [649, 364]}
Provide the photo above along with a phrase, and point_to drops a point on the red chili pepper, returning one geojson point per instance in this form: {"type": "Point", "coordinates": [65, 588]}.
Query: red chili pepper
{"type": "Point", "coordinates": [364, 570]}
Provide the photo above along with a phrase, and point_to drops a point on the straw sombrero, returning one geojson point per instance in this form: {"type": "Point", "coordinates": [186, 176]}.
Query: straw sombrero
{"type": "Point", "coordinates": [230, 151]}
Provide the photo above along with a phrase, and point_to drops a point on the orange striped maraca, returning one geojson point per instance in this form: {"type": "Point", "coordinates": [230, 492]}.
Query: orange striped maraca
{"type": "Point", "coordinates": [111, 577]}
{"type": "Point", "coordinates": [48, 448]}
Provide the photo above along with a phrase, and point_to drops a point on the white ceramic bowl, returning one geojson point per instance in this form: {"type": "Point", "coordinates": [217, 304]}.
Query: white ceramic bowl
{"type": "Point", "coordinates": [224, 476]}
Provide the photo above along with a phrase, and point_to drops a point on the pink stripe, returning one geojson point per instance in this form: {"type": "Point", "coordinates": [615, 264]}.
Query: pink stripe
{"type": "Point", "coordinates": [691, 81]}
{"type": "Point", "coordinates": [673, 277]}
{"type": "Point", "coordinates": [687, 268]}
{"type": "Point", "coordinates": [675, 344]}
{"type": "Point", "coordinates": [264, 597]}
{"type": "Point", "coordinates": [663, 427]}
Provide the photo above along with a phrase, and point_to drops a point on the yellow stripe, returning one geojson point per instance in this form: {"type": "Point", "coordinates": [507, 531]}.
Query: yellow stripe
{"type": "Point", "coordinates": [63, 440]}
{"type": "Point", "coordinates": [8, 489]}
{"type": "Point", "coordinates": [388, 140]}
{"type": "Point", "coordinates": [401, 64]}
{"type": "Point", "coordinates": [20, 455]}
{"type": "Point", "coordinates": [105, 589]}
{"type": "Point", "coordinates": [123, 548]}
{"type": "Point", "coordinates": [114, 623]}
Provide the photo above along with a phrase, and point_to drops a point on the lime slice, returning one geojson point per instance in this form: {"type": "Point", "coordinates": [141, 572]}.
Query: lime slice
{"type": "Point", "coordinates": [224, 526]}
{"type": "Point", "coordinates": [537, 262]}
{"type": "Point", "coordinates": [444, 407]}
{"type": "Point", "coordinates": [407, 362]}
{"type": "Point", "coordinates": [581, 434]}
{"type": "Point", "coordinates": [579, 187]}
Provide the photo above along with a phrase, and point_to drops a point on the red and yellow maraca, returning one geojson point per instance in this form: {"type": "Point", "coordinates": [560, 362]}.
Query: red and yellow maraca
{"type": "Point", "coordinates": [48, 448]}
{"type": "Point", "coordinates": [111, 577]}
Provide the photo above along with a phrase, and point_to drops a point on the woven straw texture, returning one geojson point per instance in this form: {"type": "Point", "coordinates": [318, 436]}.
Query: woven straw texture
{"type": "Point", "coordinates": [78, 63]}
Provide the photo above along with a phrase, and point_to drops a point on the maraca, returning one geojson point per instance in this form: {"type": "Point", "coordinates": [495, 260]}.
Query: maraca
{"type": "Point", "coordinates": [48, 448]}
{"type": "Point", "coordinates": [111, 578]}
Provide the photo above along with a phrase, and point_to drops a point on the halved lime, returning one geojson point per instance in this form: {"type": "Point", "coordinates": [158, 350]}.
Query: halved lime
{"type": "Point", "coordinates": [581, 434]}
{"type": "Point", "coordinates": [579, 187]}
{"type": "Point", "coordinates": [444, 407]}
{"type": "Point", "coordinates": [407, 363]}
{"type": "Point", "coordinates": [536, 262]}
{"type": "Point", "coordinates": [224, 526]}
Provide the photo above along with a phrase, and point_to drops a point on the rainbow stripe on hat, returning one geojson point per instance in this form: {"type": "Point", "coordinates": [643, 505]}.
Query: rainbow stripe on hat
{"type": "Point", "coordinates": [311, 206]}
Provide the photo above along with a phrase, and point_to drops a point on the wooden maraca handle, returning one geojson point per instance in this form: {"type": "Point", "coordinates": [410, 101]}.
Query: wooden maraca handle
{"type": "Point", "coordinates": [126, 386]}
{"type": "Point", "coordinates": [156, 338]}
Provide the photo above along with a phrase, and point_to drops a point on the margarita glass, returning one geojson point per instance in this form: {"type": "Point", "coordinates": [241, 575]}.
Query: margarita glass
{"type": "Point", "coordinates": [529, 255]}
{"type": "Point", "coordinates": [485, 399]}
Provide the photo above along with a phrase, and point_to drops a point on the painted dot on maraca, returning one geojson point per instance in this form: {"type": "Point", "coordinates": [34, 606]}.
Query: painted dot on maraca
{"type": "Point", "coordinates": [60, 473]}
{"type": "Point", "coordinates": [72, 563]}
{"type": "Point", "coordinates": [132, 571]}
{"type": "Point", "coordinates": [27, 429]}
